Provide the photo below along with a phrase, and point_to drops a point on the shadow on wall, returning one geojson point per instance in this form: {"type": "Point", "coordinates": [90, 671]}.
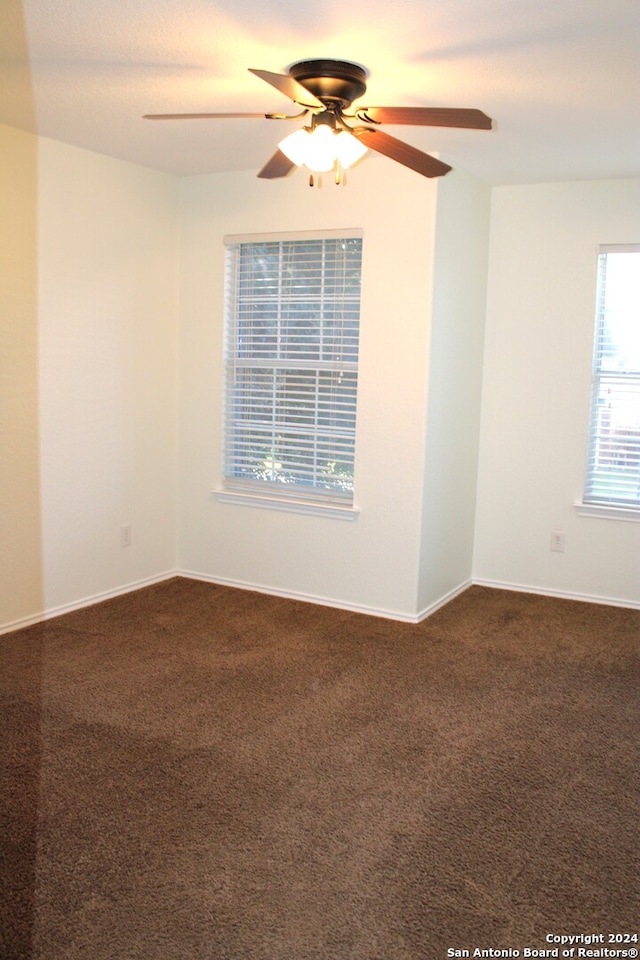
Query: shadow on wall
{"type": "Point", "coordinates": [21, 588]}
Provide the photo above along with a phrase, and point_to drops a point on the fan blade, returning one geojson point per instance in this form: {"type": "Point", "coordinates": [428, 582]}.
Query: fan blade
{"type": "Point", "coordinates": [426, 116]}
{"type": "Point", "coordinates": [204, 116]}
{"type": "Point", "coordinates": [277, 166]}
{"type": "Point", "coordinates": [290, 87]}
{"type": "Point", "coordinates": [398, 150]}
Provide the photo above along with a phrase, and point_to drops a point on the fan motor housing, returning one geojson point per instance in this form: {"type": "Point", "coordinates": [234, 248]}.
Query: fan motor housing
{"type": "Point", "coordinates": [332, 81]}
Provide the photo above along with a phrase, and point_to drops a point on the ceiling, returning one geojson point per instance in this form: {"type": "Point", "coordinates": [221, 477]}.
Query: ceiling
{"type": "Point", "coordinates": [561, 78]}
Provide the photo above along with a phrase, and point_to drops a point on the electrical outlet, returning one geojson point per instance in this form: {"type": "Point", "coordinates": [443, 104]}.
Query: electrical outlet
{"type": "Point", "coordinates": [557, 541]}
{"type": "Point", "coordinates": [125, 535]}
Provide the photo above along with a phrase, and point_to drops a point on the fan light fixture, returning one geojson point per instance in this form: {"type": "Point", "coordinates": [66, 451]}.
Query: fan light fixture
{"type": "Point", "coordinates": [320, 147]}
{"type": "Point", "coordinates": [324, 91]}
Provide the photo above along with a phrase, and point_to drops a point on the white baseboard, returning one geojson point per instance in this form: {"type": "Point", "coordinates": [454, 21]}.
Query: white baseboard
{"type": "Point", "coordinates": [428, 611]}
{"type": "Point", "coordinates": [311, 598]}
{"type": "Point", "coordinates": [85, 602]}
{"type": "Point", "coordinates": [561, 594]}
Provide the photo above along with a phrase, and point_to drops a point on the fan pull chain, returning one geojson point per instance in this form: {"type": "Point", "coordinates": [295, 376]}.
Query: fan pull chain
{"type": "Point", "coordinates": [337, 180]}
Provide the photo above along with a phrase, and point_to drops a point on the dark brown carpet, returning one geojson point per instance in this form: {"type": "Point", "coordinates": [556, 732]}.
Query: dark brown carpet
{"type": "Point", "coordinates": [194, 772]}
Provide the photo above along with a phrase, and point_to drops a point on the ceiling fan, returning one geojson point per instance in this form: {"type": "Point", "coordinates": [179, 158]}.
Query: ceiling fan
{"type": "Point", "coordinates": [338, 134]}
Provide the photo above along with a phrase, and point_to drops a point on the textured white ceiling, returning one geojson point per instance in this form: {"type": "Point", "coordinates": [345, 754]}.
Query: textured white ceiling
{"type": "Point", "coordinates": [561, 78]}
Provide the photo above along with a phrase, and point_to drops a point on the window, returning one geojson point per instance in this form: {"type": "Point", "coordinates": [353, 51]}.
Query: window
{"type": "Point", "coordinates": [291, 367]}
{"type": "Point", "coordinates": [613, 459]}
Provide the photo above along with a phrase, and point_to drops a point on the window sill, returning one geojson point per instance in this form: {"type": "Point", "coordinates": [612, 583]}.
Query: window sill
{"type": "Point", "coordinates": [264, 502]}
{"type": "Point", "coordinates": [608, 513]}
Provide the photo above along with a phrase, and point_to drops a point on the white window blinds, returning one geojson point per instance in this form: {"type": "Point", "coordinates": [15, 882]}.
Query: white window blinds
{"type": "Point", "coordinates": [613, 458]}
{"type": "Point", "coordinates": [291, 357]}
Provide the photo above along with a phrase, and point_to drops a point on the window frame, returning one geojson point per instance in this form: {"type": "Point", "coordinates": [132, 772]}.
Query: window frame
{"type": "Point", "coordinates": [593, 505]}
{"type": "Point", "coordinates": [298, 497]}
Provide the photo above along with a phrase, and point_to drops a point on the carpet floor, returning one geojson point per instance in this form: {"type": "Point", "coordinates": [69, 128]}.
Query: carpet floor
{"type": "Point", "coordinates": [192, 771]}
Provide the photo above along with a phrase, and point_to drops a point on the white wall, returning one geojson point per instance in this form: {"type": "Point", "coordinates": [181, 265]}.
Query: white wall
{"type": "Point", "coordinates": [107, 293]}
{"type": "Point", "coordinates": [373, 562]}
{"type": "Point", "coordinates": [88, 325]}
{"type": "Point", "coordinates": [537, 367]}
{"type": "Point", "coordinates": [455, 380]}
